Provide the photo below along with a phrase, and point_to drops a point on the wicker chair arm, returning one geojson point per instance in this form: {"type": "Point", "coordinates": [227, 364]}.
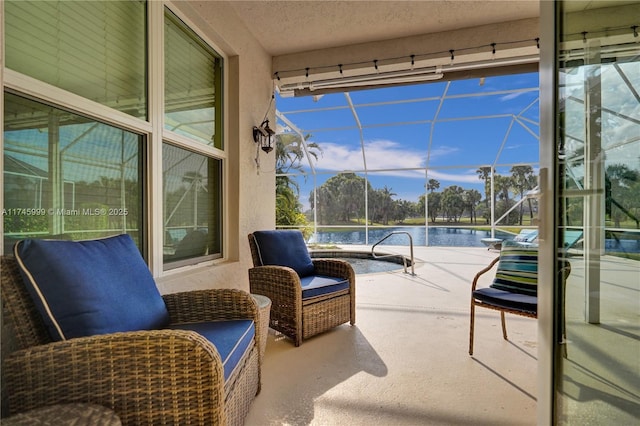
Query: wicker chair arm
{"type": "Point", "coordinates": [210, 305]}
{"type": "Point", "coordinates": [483, 271]}
{"type": "Point", "coordinates": [334, 268]}
{"type": "Point", "coordinates": [146, 377]}
{"type": "Point", "coordinates": [272, 279]}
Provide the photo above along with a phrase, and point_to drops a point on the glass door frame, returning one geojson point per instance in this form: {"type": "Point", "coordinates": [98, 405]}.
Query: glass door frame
{"type": "Point", "coordinates": [565, 392]}
{"type": "Point", "coordinates": [548, 72]}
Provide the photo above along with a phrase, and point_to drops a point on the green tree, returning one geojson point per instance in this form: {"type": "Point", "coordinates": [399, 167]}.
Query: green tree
{"type": "Point", "coordinates": [471, 199]}
{"type": "Point", "coordinates": [620, 198]}
{"type": "Point", "coordinates": [432, 185]}
{"type": "Point", "coordinates": [290, 153]}
{"type": "Point", "coordinates": [288, 208]}
{"type": "Point", "coordinates": [340, 199]}
{"type": "Point", "coordinates": [521, 178]}
{"type": "Point", "coordinates": [375, 205]}
{"type": "Point", "coordinates": [403, 209]}
{"type": "Point", "coordinates": [435, 205]}
{"type": "Point", "coordinates": [503, 186]}
{"type": "Point", "coordinates": [484, 174]}
{"type": "Point", "coordinates": [387, 204]}
{"type": "Point", "coordinates": [453, 204]}
{"type": "Point", "coordinates": [420, 206]}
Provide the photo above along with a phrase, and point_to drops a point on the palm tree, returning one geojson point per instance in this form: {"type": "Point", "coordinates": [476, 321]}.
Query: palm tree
{"type": "Point", "coordinates": [472, 197]}
{"type": "Point", "coordinates": [435, 205]}
{"type": "Point", "coordinates": [484, 173]}
{"type": "Point", "coordinates": [432, 185]}
{"type": "Point", "coordinates": [290, 152]}
{"type": "Point", "coordinates": [453, 202]}
{"type": "Point", "coordinates": [521, 178]}
{"type": "Point", "coordinates": [387, 203]}
{"type": "Point", "coordinates": [289, 155]}
{"type": "Point", "coordinates": [619, 181]}
{"type": "Point", "coordinates": [503, 185]}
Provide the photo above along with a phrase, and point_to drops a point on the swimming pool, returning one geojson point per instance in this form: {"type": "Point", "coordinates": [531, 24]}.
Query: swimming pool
{"type": "Point", "coordinates": [364, 262]}
{"type": "Point", "coordinates": [438, 236]}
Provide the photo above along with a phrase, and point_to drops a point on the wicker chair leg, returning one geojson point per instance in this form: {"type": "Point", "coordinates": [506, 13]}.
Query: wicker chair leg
{"type": "Point", "coordinates": [504, 325]}
{"type": "Point", "coordinates": [473, 310]}
{"type": "Point", "coordinates": [353, 308]}
{"type": "Point", "coordinates": [299, 328]}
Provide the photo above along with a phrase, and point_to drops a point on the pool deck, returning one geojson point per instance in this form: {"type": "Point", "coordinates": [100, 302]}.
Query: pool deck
{"type": "Point", "coordinates": [406, 360]}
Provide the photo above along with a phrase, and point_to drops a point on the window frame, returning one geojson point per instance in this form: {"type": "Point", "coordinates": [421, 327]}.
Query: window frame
{"type": "Point", "coordinates": [142, 229]}
{"type": "Point", "coordinates": [151, 129]}
{"type": "Point", "coordinates": [184, 142]}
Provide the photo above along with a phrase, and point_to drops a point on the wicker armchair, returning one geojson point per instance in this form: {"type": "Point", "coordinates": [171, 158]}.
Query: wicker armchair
{"type": "Point", "coordinates": [147, 377]}
{"type": "Point", "coordinates": [514, 289]}
{"type": "Point", "coordinates": [294, 312]}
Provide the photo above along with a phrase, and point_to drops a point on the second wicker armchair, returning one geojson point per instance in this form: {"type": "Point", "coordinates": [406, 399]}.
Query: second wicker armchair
{"type": "Point", "coordinates": [308, 296]}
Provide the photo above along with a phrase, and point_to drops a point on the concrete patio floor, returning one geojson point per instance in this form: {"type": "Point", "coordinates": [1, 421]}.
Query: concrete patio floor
{"type": "Point", "coordinates": [406, 360]}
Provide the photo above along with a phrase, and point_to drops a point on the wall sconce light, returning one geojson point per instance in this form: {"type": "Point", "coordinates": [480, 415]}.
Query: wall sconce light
{"type": "Point", "coordinates": [263, 136]}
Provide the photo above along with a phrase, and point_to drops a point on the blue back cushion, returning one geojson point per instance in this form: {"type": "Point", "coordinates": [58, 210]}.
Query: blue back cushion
{"type": "Point", "coordinates": [517, 269]}
{"type": "Point", "coordinates": [284, 248]}
{"type": "Point", "coordinates": [83, 288]}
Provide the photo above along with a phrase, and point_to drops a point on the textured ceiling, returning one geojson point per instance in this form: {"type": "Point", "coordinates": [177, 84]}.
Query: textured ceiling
{"type": "Point", "coordinates": [309, 25]}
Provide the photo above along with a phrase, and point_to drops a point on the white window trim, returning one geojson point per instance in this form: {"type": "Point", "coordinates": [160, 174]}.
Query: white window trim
{"type": "Point", "coordinates": [43, 92]}
{"type": "Point", "coordinates": [156, 45]}
{"type": "Point", "coordinates": [153, 130]}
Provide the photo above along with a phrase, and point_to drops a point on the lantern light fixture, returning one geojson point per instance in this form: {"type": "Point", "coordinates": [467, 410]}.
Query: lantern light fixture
{"type": "Point", "coordinates": [264, 136]}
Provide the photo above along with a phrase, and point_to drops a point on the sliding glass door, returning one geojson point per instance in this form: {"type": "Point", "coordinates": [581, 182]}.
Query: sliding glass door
{"type": "Point", "coordinates": [597, 363]}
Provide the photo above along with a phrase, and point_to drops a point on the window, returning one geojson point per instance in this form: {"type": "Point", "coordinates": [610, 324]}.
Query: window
{"type": "Point", "coordinates": [192, 85]}
{"type": "Point", "coordinates": [94, 49]}
{"type": "Point", "coordinates": [190, 185]}
{"type": "Point", "coordinates": [66, 176]}
{"type": "Point", "coordinates": [78, 170]}
{"type": "Point", "coordinates": [191, 179]}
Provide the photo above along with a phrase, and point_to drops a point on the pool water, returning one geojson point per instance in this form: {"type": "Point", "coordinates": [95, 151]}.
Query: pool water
{"type": "Point", "coordinates": [363, 262]}
{"type": "Point", "coordinates": [370, 266]}
{"type": "Point", "coordinates": [448, 237]}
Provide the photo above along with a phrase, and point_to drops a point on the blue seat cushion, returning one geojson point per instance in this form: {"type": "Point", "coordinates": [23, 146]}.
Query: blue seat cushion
{"type": "Point", "coordinates": [318, 285]}
{"type": "Point", "coordinates": [284, 248]}
{"type": "Point", "coordinates": [231, 338]}
{"type": "Point", "coordinates": [517, 270]}
{"type": "Point", "coordinates": [84, 288]}
{"type": "Point", "coordinates": [506, 299]}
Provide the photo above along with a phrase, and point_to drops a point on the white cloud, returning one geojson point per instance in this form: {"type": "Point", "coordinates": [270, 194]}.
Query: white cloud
{"type": "Point", "coordinates": [380, 154]}
{"type": "Point", "coordinates": [383, 154]}
{"type": "Point", "coordinates": [467, 177]}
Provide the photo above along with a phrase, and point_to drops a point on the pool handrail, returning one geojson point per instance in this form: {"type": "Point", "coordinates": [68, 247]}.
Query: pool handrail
{"type": "Point", "coordinates": [404, 259]}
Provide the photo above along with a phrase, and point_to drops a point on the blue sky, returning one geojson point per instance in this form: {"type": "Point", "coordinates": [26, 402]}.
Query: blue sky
{"type": "Point", "coordinates": [480, 122]}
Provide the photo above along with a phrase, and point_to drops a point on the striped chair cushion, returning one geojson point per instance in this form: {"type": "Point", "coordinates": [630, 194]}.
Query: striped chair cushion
{"type": "Point", "coordinates": [517, 269]}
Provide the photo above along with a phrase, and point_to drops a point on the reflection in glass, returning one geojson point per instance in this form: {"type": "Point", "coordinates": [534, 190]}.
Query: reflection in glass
{"type": "Point", "coordinates": [599, 120]}
{"type": "Point", "coordinates": [95, 49]}
{"type": "Point", "coordinates": [193, 76]}
{"type": "Point", "coordinates": [66, 176]}
{"type": "Point", "coordinates": [192, 216]}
